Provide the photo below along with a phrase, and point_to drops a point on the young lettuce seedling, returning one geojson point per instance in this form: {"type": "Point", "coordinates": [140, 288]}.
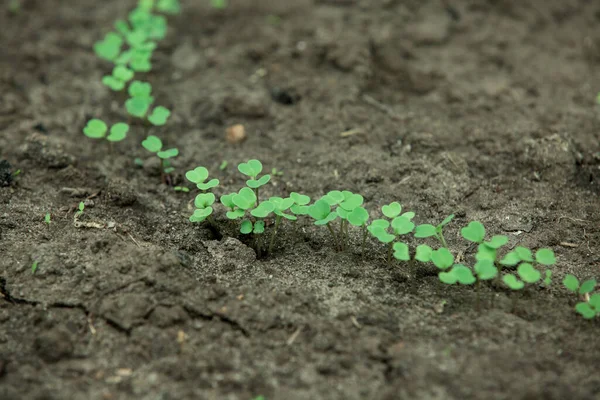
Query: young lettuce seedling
{"type": "Point", "coordinates": [428, 230]}
{"type": "Point", "coordinates": [119, 78]}
{"type": "Point", "coordinates": [109, 48]}
{"type": "Point", "coordinates": [280, 205]}
{"type": "Point", "coordinates": [345, 202]}
{"type": "Point", "coordinates": [48, 219]}
{"type": "Point", "coordinates": [591, 306]}
{"type": "Point", "coordinates": [572, 284]}
{"type": "Point", "coordinates": [97, 129]}
{"type": "Point", "coordinates": [252, 169]}
{"type": "Point", "coordinates": [321, 212]}
{"type": "Point", "coordinates": [141, 99]}
{"type": "Point", "coordinates": [154, 145]}
{"type": "Point", "coordinates": [400, 224]}
{"type": "Point", "coordinates": [203, 201]}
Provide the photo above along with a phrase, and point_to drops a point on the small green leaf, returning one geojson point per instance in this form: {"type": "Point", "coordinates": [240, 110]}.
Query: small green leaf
{"type": "Point", "coordinates": [110, 47]}
{"type": "Point", "coordinates": [548, 278]}
{"type": "Point", "coordinates": [497, 241]}
{"type": "Point", "coordinates": [379, 223]}
{"type": "Point", "coordinates": [449, 278]}
{"type": "Point", "coordinates": [524, 253]}
{"type": "Point", "coordinates": [423, 253]}
{"type": "Point", "coordinates": [208, 185]}
{"type": "Point", "coordinates": [169, 153]}
{"type": "Point", "coordinates": [474, 232]}
{"type": "Point", "coordinates": [223, 165]}
{"type": "Point", "coordinates": [571, 283]}
{"type": "Point", "coordinates": [251, 168]}
{"type": "Point", "coordinates": [95, 129]}
{"type": "Point", "coordinates": [511, 259]}
{"type": "Point", "coordinates": [358, 217]}
{"type": "Point", "coordinates": [197, 175]}
{"type": "Point", "coordinates": [235, 214]}
{"type": "Point", "coordinates": [299, 210]}
{"type": "Point", "coordinates": [34, 266]}
{"type": "Point", "coordinates": [201, 214]}
{"type": "Point", "coordinates": [545, 257]}
{"type": "Point", "coordinates": [181, 189]}
{"type": "Point", "coordinates": [227, 200]}
{"type": "Point", "coordinates": [169, 6]}
{"type": "Point", "coordinates": [442, 258]}
{"type": "Point", "coordinates": [446, 220]}
{"type": "Point", "coordinates": [159, 116]}
{"type": "Point", "coordinates": [264, 180]}
{"type": "Point", "coordinates": [246, 227]}
{"type": "Point", "coordinates": [382, 235]}
{"type": "Point", "coordinates": [528, 273]}
{"type": "Point", "coordinates": [319, 210]}
{"type": "Point", "coordinates": [585, 310]}
{"type": "Point", "coordinates": [595, 302]}
{"type": "Point", "coordinates": [118, 132]}
{"type": "Point", "coordinates": [113, 83]}
{"type": "Point", "coordinates": [245, 199]}
{"type": "Point", "coordinates": [463, 275]}
{"type": "Point", "coordinates": [425, 230]}
{"type": "Point", "coordinates": [402, 225]}
{"type": "Point", "coordinates": [408, 215]}
{"type": "Point", "coordinates": [152, 143]}
{"type": "Point", "coordinates": [587, 286]}
{"type": "Point", "coordinates": [300, 199]}
{"type": "Point", "coordinates": [512, 282]}
{"type": "Point", "coordinates": [352, 202]}
{"type": "Point", "coordinates": [334, 197]}
{"type": "Point", "coordinates": [281, 204]}
{"type": "Point", "coordinates": [392, 210]}
{"type": "Point", "coordinates": [401, 251]}
{"type": "Point", "coordinates": [485, 253]}
{"type": "Point", "coordinates": [263, 209]}
{"type": "Point", "coordinates": [259, 227]}
{"type": "Point", "coordinates": [485, 270]}
{"type": "Point", "coordinates": [140, 89]}
{"type": "Point", "coordinates": [122, 73]}
{"type": "Point", "coordinates": [137, 106]}
{"type": "Point", "coordinates": [204, 200]}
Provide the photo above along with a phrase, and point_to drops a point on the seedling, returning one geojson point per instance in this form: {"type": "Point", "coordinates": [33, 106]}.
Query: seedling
{"type": "Point", "coordinates": [572, 284]}
{"type": "Point", "coordinates": [154, 145]}
{"type": "Point", "coordinates": [119, 78]}
{"type": "Point", "coordinates": [141, 99]}
{"type": "Point", "coordinates": [169, 6]}
{"type": "Point", "coordinates": [109, 48]}
{"type": "Point", "coordinates": [159, 116]}
{"type": "Point", "coordinates": [203, 201]}
{"type": "Point", "coordinates": [223, 165]}
{"type": "Point", "coordinates": [321, 212]}
{"type": "Point", "coordinates": [80, 209]}
{"type": "Point", "coordinates": [401, 224]}
{"type": "Point", "coordinates": [280, 205]}
{"type": "Point", "coordinates": [428, 230]}
{"type": "Point", "coordinates": [359, 218]}
{"type": "Point", "coordinates": [97, 129]}
{"type": "Point", "coordinates": [199, 176]}
{"type": "Point", "coordinates": [48, 219]}
{"type": "Point", "coordinates": [34, 266]}
{"type": "Point", "coordinates": [276, 172]}
{"type": "Point", "coordinates": [252, 169]}
{"type": "Point", "coordinates": [590, 308]}
{"type": "Point", "coordinates": [181, 189]}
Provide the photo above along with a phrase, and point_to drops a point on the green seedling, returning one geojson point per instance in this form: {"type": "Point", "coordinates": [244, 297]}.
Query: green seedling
{"type": "Point", "coordinates": [80, 209]}
{"type": "Point", "coordinates": [168, 6]}
{"type": "Point", "coordinates": [181, 189]}
{"type": "Point", "coordinates": [223, 165]}
{"type": "Point", "coordinates": [154, 145]}
{"type": "Point", "coordinates": [109, 48]}
{"type": "Point", "coordinates": [590, 308]}
{"type": "Point", "coordinates": [119, 78]}
{"type": "Point", "coordinates": [280, 206]}
{"type": "Point", "coordinates": [34, 266]}
{"type": "Point", "coordinates": [252, 169]}
{"type": "Point", "coordinates": [97, 129]}
{"type": "Point", "coordinates": [321, 212]}
{"type": "Point", "coordinates": [159, 116]}
{"type": "Point", "coordinates": [359, 218]}
{"type": "Point", "coordinates": [48, 219]}
{"type": "Point", "coordinates": [573, 285]}
{"type": "Point", "coordinates": [428, 230]}
{"type": "Point", "coordinates": [401, 224]}
{"type": "Point", "coordinates": [276, 172]}
{"type": "Point", "coordinates": [218, 4]}
{"type": "Point", "coordinates": [199, 176]}
{"type": "Point", "coordinates": [301, 202]}
{"type": "Point", "coordinates": [141, 99]}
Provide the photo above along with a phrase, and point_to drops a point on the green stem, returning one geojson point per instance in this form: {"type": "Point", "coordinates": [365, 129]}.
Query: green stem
{"type": "Point", "coordinates": [364, 239]}
{"type": "Point", "coordinates": [443, 240]}
{"type": "Point", "coordinates": [332, 234]}
{"type": "Point", "coordinates": [341, 235]}
{"type": "Point", "coordinates": [277, 222]}
{"type": "Point", "coordinates": [389, 255]}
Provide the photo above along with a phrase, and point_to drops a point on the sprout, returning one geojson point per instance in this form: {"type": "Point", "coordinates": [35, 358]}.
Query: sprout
{"type": "Point", "coordinates": [279, 205]}
{"type": "Point", "coordinates": [120, 76]}
{"type": "Point", "coordinates": [401, 224]}
{"type": "Point", "coordinates": [203, 203]}
{"type": "Point", "coordinates": [109, 47]}
{"type": "Point", "coordinates": [198, 176]}
{"type": "Point", "coordinates": [321, 212]}
{"type": "Point", "coordinates": [154, 145]}
{"type": "Point", "coordinates": [300, 206]}
{"type": "Point", "coordinates": [97, 129]}
{"type": "Point", "coordinates": [140, 100]}
{"type": "Point", "coordinates": [359, 217]}
{"type": "Point", "coordinates": [428, 230]}
{"type": "Point", "coordinates": [159, 116]}
{"type": "Point", "coordinates": [572, 283]}
{"type": "Point", "coordinates": [252, 169]}
{"type": "Point", "coordinates": [223, 165]}
{"type": "Point", "coordinates": [591, 308]}
{"type": "Point", "coordinates": [48, 219]}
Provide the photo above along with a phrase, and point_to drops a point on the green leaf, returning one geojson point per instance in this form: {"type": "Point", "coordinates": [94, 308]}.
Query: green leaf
{"type": "Point", "coordinates": [208, 185]}
{"type": "Point", "coordinates": [334, 197]}
{"type": "Point", "coordinates": [352, 202]}
{"type": "Point", "coordinates": [497, 241]}
{"type": "Point", "coordinates": [524, 253]}
{"type": "Point", "coordinates": [528, 273]}
{"type": "Point", "coordinates": [442, 258]}
{"type": "Point", "coordinates": [245, 199]}
{"type": "Point", "coordinates": [587, 286]}
{"type": "Point", "coordinates": [118, 132]}
{"type": "Point", "coordinates": [169, 6]}
{"type": "Point", "coordinates": [122, 27]}
{"type": "Point", "coordinates": [201, 214]}
{"type": "Point", "coordinates": [511, 259]}
{"type": "Point", "coordinates": [260, 182]}
{"type": "Point", "coordinates": [401, 251]}
{"type": "Point", "coordinates": [585, 310]}
{"type": "Point", "coordinates": [113, 83]}
{"type": "Point", "coordinates": [512, 282]}
{"type": "Point", "coordinates": [140, 89]}
{"type": "Point", "coordinates": [382, 235]}
{"type": "Point", "coordinates": [299, 210]}
{"type": "Point", "coordinates": [358, 217]}
{"type": "Point", "coordinates": [449, 278]}
{"type": "Point", "coordinates": [380, 223]}
{"type": "Point", "coordinates": [204, 200]}
{"type": "Point", "coordinates": [137, 106]}
{"type": "Point", "coordinates": [197, 175]}
{"type": "Point", "coordinates": [423, 253]}
{"type": "Point", "coordinates": [265, 208]}
{"type": "Point", "coordinates": [425, 230]}
{"type": "Point", "coordinates": [402, 225]}
{"type": "Point", "coordinates": [392, 210]}
{"type": "Point", "coordinates": [110, 47]}
{"type": "Point", "coordinates": [227, 200]}
{"type": "Point", "coordinates": [548, 278]}
{"type": "Point", "coordinates": [545, 257]}
{"type": "Point", "coordinates": [95, 129]}
{"type": "Point", "coordinates": [595, 301]}
{"type": "Point", "coordinates": [152, 143]}
{"type": "Point", "coordinates": [485, 270]}
{"type": "Point", "coordinates": [122, 73]}
{"type": "Point", "coordinates": [446, 220]}
{"type": "Point", "coordinates": [485, 253]}
{"type": "Point", "coordinates": [136, 37]}
{"type": "Point", "coordinates": [159, 116]}
{"type": "Point", "coordinates": [170, 153]}
{"type": "Point", "coordinates": [408, 215]}
{"type": "Point", "coordinates": [259, 227]}
{"type": "Point", "coordinates": [281, 204]}
{"type": "Point", "coordinates": [300, 199]}
{"type": "Point", "coordinates": [474, 232]}
{"type": "Point", "coordinates": [319, 210]}
{"type": "Point", "coordinates": [571, 283]}
{"type": "Point", "coordinates": [251, 168]}
{"type": "Point", "coordinates": [463, 275]}
{"type": "Point", "coordinates": [246, 227]}
{"type": "Point", "coordinates": [235, 214]}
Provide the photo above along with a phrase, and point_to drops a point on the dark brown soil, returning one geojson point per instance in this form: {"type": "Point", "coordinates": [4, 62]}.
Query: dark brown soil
{"type": "Point", "coordinates": [485, 109]}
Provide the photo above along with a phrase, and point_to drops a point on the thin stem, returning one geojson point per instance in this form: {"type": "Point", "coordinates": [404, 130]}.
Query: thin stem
{"type": "Point", "coordinates": [443, 240]}
{"type": "Point", "coordinates": [341, 235]}
{"type": "Point", "coordinates": [277, 222]}
{"type": "Point", "coordinates": [364, 239]}
{"type": "Point", "coordinates": [477, 284]}
{"type": "Point", "coordinates": [389, 255]}
{"type": "Point", "coordinates": [332, 234]}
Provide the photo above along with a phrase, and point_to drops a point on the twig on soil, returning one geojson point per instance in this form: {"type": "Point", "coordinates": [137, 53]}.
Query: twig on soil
{"type": "Point", "coordinates": [568, 244]}
{"type": "Point", "coordinates": [292, 338]}
{"type": "Point", "coordinates": [355, 131]}
{"type": "Point", "coordinates": [355, 322]}
{"type": "Point", "coordinates": [369, 100]}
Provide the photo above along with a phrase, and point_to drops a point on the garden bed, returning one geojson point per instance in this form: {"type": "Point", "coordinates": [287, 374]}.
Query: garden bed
{"type": "Point", "coordinates": [483, 109]}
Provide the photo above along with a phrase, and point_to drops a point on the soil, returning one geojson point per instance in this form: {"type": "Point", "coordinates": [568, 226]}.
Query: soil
{"type": "Point", "coordinates": [485, 109]}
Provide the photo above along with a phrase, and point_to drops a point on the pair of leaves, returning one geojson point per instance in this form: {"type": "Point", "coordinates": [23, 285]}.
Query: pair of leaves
{"type": "Point", "coordinates": [109, 47]}
{"type": "Point", "coordinates": [458, 274]}
{"type": "Point", "coordinates": [591, 308]}
{"type": "Point", "coordinates": [120, 76]}
{"type": "Point", "coordinates": [572, 283]}
{"type": "Point", "coordinates": [300, 206]}
{"type": "Point", "coordinates": [248, 227]}
{"type": "Point", "coordinates": [154, 145]}
{"type": "Point", "coordinates": [523, 254]}
{"type": "Point", "coordinates": [321, 212]}
{"type": "Point", "coordinates": [97, 129]}
{"type": "Point", "coordinates": [198, 175]}
{"type": "Point", "coordinates": [526, 272]}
